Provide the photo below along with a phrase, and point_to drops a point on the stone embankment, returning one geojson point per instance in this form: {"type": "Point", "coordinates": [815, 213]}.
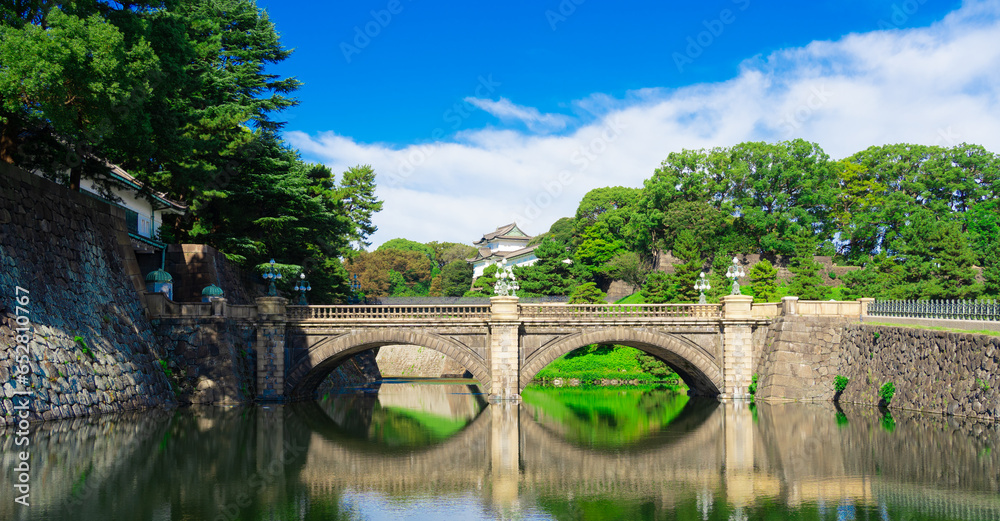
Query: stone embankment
{"type": "Point", "coordinates": [92, 348]}
{"type": "Point", "coordinates": [933, 371]}
{"type": "Point", "coordinates": [940, 371]}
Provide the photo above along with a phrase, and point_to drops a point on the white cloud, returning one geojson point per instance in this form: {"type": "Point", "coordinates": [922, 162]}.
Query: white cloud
{"type": "Point", "coordinates": [530, 116]}
{"type": "Point", "coordinates": [934, 85]}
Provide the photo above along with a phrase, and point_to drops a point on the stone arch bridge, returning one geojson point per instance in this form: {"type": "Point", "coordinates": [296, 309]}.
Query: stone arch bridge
{"type": "Point", "coordinates": [505, 343]}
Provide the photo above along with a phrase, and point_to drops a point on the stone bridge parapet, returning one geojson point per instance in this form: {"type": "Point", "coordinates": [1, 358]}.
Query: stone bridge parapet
{"type": "Point", "coordinates": [504, 343]}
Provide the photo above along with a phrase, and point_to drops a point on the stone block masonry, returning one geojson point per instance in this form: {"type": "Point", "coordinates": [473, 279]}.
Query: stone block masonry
{"type": "Point", "coordinates": [933, 371]}
{"type": "Point", "coordinates": [937, 371]}
{"type": "Point", "coordinates": [800, 358]}
{"type": "Point", "coordinates": [73, 254]}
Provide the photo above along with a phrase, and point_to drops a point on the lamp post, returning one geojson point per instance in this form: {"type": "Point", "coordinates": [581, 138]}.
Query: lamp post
{"type": "Point", "coordinates": [302, 286]}
{"type": "Point", "coordinates": [271, 274]}
{"type": "Point", "coordinates": [701, 285]}
{"type": "Point", "coordinates": [506, 282]}
{"type": "Point", "coordinates": [355, 288]}
{"type": "Point", "coordinates": [734, 272]}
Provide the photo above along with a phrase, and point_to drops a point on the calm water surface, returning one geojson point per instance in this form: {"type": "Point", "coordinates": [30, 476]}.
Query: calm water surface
{"type": "Point", "coordinates": [435, 450]}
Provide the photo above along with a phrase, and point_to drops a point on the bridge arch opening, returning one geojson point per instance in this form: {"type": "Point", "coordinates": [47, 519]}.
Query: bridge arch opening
{"type": "Point", "coordinates": [324, 356]}
{"type": "Point", "coordinates": [695, 366]}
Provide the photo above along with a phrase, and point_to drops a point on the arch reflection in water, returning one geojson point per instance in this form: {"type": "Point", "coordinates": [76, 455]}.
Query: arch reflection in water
{"type": "Point", "coordinates": [791, 460]}
{"type": "Point", "coordinates": [398, 413]}
{"type": "Point", "coordinates": [611, 417]}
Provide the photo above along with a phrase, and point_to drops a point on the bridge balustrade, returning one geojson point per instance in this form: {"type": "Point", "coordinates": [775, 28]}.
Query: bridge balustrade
{"type": "Point", "coordinates": [382, 313]}
{"type": "Point", "coordinates": [619, 311]}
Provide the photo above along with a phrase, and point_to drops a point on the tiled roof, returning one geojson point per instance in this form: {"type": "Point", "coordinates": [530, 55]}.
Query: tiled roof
{"type": "Point", "coordinates": [120, 173]}
{"type": "Point", "coordinates": [486, 253]}
{"type": "Point", "coordinates": [502, 231]}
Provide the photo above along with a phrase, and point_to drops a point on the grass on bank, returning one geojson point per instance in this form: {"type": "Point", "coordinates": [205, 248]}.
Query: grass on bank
{"type": "Point", "coordinates": [593, 363]}
{"type": "Point", "coordinates": [936, 328]}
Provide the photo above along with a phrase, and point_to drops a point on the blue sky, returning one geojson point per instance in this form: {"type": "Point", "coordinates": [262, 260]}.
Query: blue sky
{"type": "Point", "coordinates": [478, 114]}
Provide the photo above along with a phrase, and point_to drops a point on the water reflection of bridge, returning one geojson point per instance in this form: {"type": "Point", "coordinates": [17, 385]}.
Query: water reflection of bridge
{"type": "Point", "coordinates": [794, 454]}
{"type": "Point", "coordinates": [505, 449]}
{"type": "Point", "coordinates": [722, 450]}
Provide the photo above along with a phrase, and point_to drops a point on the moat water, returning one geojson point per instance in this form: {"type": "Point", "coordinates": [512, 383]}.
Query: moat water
{"type": "Point", "coordinates": [435, 450]}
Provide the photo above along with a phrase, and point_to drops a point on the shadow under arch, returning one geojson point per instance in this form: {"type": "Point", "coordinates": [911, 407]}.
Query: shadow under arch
{"type": "Point", "coordinates": [306, 374]}
{"type": "Point", "coordinates": [316, 419]}
{"type": "Point", "coordinates": [692, 363]}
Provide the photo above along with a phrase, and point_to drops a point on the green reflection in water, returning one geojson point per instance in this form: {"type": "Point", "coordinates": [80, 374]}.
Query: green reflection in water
{"type": "Point", "coordinates": [398, 427]}
{"type": "Point", "coordinates": [404, 413]}
{"type": "Point", "coordinates": [604, 417]}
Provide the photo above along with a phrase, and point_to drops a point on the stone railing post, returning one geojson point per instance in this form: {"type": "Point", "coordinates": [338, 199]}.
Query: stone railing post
{"type": "Point", "coordinates": [218, 306]}
{"type": "Point", "coordinates": [789, 306]}
{"type": "Point", "coordinates": [864, 305]}
{"type": "Point", "coordinates": [505, 323]}
{"type": "Point", "coordinates": [270, 347]}
{"type": "Point", "coordinates": [737, 346]}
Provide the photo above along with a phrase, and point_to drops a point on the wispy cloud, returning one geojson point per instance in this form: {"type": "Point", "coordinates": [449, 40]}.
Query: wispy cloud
{"type": "Point", "coordinates": [534, 119]}
{"type": "Point", "coordinates": [933, 85]}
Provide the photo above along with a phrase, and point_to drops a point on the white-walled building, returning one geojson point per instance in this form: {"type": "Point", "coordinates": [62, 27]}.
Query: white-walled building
{"type": "Point", "coordinates": [144, 209]}
{"type": "Point", "coordinates": [506, 242]}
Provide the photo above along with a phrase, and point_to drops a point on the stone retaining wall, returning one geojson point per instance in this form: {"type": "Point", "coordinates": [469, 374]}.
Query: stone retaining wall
{"type": "Point", "coordinates": [211, 359]}
{"type": "Point", "coordinates": [800, 358]}
{"type": "Point", "coordinates": [933, 371]}
{"type": "Point", "coordinates": [416, 362]}
{"type": "Point", "coordinates": [73, 254]}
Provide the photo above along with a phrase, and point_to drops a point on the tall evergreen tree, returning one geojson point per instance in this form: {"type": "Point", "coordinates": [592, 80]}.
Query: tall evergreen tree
{"type": "Point", "coordinates": [550, 275]}
{"type": "Point", "coordinates": [764, 281]}
{"type": "Point", "coordinates": [806, 282]}
{"type": "Point", "coordinates": [686, 248]}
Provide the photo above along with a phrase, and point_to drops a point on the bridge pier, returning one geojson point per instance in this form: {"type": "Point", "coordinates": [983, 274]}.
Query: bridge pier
{"type": "Point", "coordinates": [271, 349]}
{"type": "Point", "coordinates": [737, 347]}
{"type": "Point", "coordinates": [504, 361]}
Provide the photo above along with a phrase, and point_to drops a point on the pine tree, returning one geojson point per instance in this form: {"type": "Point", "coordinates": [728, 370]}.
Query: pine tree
{"type": "Point", "coordinates": [806, 282]}
{"type": "Point", "coordinates": [550, 275]}
{"type": "Point", "coordinates": [953, 264]}
{"type": "Point", "coordinates": [764, 280]}
{"type": "Point", "coordinates": [686, 248]}
{"type": "Point", "coordinates": [659, 288]}
{"type": "Point", "coordinates": [587, 293]}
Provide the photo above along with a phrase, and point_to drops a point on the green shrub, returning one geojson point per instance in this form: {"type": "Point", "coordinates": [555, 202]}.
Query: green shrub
{"type": "Point", "coordinates": [887, 391]}
{"type": "Point", "coordinates": [983, 384]}
{"type": "Point", "coordinates": [840, 383]}
{"type": "Point", "coordinates": [753, 386]}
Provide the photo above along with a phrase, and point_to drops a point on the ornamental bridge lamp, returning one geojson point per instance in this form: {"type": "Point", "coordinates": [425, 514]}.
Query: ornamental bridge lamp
{"type": "Point", "coordinates": [271, 274]}
{"type": "Point", "coordinates": [302, 286]}
{"type": "Point", "coordinates": [506, 282]}
{"type": "Point", "coordinates": [735, 272]}
{"type": "Point", "coordinates": [701, 285]}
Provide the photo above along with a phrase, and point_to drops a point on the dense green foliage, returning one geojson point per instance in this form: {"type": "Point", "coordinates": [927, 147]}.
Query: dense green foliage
{"type": "Point", "coordinates": [840, 383]}
{"type": "Point", "coordinates": [176, 93]}
{"type": "Point", "coordinates": [917, 219]}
